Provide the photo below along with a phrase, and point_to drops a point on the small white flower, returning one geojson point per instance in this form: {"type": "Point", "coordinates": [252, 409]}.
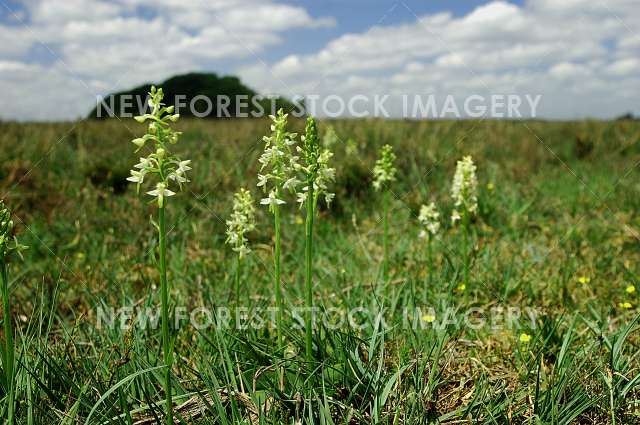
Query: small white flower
{"type": "Point", "coordinates": [464, 189]}
{"type": "Point", "coordinates": [241, 222]}
{"type": "Point", "coordinates": [278, 162]}
{"type": "Point", "coordinates": [272, 201]}
{"type": "Point", "coordinates": [455, 216]}
{"type": "Point", "coordinates": [161, 165]}
{"type": "Point", "coordinates": [232, 237]}
{"type": "Point", "coordinates": [183, 167]}
{"type": "Point", "coordinates": [161, 192]}
{"type": "Point", "coordinates": [242, 250]}
{"type": "Point", "coordinates": [178, 178]}
{"type": "Point", "coordinates": [429, 217]}
{"type": "Point", "coordinates": [266, 158]}
{"type": "Point", "coordinates": [328, 197]}
{"type": "Point", "coordinates": [384, 170]}
{"type": "Point", "coordinates": [315, 169]}
{"type": "Point", "coordinates": [262, 180]}
{"type": "Point", "coordinates": [330, 137]}
{"type": "Point", "coordinates": [136, 176]}
{"type": "Point", "coordinates": [291, 183]}
{"type": "Point", "coordinates": [144, 164]}
{"type": "Point", "coordinates": [302, 198]}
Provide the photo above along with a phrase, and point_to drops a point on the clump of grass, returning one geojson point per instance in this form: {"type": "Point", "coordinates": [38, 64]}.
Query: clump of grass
{"type": "Point", "coordinates": [316, 175]}
{"type": "Point", "coordinates": [384, 172]}
{"type": "Point", "coordinates": [8, 246]}
{"type": "Point", "coordinates": [464, 193]}
{"type": "Point", "coordinates": [168, 170]}
{"type": "Point", "coordinates": [279, 162]}
{"type": "Point", "coordinates": [241, 222]}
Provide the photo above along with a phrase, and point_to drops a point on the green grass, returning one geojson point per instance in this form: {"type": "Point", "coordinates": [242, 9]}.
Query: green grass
{"type": "Point", "coordinates": [565, 205]}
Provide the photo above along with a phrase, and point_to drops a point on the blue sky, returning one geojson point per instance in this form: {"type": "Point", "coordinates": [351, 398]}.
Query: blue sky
{"type": "Point", "coordinates": [359, 15]}
{"type": "Point", "coordinates": [581, 56]}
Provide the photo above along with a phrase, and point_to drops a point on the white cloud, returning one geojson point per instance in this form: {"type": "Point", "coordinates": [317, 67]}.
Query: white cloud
{"type": "Point", "coordinates": [630, 41]}
{"type": "Point", "coordinates": [19, 42]}
{"type": "Point", "coordinates": [568, 70]}
{"type": "Point", "coordinates": [60, 11]}
{"type": "Point", "coordinates": [98, 46]}
{"type": "Point", "coordinates": [581, 55]}
{"type": "Point", "coordinates": [578, 54]}
{"type": "Point", "coordinates": [27, 88]}
{"type": "Point", "coordinates": [624, 67]}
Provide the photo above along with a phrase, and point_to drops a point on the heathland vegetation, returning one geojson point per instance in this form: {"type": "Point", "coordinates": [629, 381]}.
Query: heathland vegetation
{"type": "Point", "coordinates": [463, 272]}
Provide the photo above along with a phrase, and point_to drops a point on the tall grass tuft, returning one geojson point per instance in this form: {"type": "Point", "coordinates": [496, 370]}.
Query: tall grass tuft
{"type": "Point", "coordinates": [316, 176]}
{"type": "Point", "coordinates": [279, 162]}
{"type": "Point", "coordinates": [167, 170]}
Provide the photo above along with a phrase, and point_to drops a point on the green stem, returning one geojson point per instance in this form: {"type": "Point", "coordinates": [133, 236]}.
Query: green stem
{"type": "Point", "coordinates": [308, 277]}
{"type": "Point", "coordinates": [466, 248]}
{"type": "Point", "coordinates": [385, 238]}
{"type": "Point", "coordinates": [237, 281]}
{"type": "Point", "coordinates": [9, 345]}
{"type": "Point", "coordinates": [612, 404]}
{"type": "Point", "coordinates": [276, 265]}
{"type": "Point", "coordinates": [430, 260]}
{"type": "Point", "coordinates": [166, 338]}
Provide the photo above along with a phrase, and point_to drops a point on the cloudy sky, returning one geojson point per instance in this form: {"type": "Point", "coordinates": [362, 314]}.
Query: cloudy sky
{"type": "Point", "coordinates": [581, 56]}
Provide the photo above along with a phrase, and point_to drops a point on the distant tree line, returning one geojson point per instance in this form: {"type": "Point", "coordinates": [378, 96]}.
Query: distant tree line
{"type": "Point", "coordinates": [203, 95]}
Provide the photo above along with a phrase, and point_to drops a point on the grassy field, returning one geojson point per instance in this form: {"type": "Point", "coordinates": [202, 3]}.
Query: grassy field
{"type": "Point", "coordinates": [555, 248]}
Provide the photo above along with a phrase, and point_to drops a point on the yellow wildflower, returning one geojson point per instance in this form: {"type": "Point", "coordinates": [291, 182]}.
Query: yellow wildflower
{"type": "Point", "coordinates": [525, 338]}
{"type": "Point", "coordinates": [584, 280]}
{"type": "Point", "coordinates": [429, 318]}
{"type": "Point", "coordinates": [630, 289]}
{"type": "Point", "coordinates": [625, 305]}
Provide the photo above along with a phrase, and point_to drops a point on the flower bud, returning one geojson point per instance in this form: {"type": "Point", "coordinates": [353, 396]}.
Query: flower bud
{"type": "Point", "coordinates": [139, 142]}
{"type": "Point", "coordinates": [160, 153]}
{"type": "Point", "coordinates": [6, 228]}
